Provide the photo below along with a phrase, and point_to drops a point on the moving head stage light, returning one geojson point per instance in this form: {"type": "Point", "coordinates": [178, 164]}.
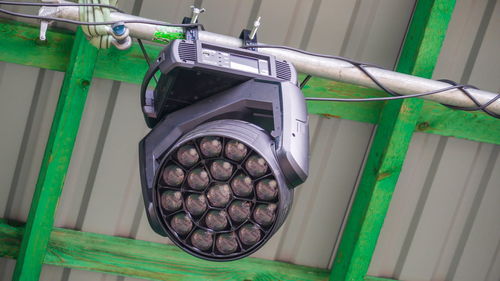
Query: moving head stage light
{"type": "Point", "coordinates": [229, 141]}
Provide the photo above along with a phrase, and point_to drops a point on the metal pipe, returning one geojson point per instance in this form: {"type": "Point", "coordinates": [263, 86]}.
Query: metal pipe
{"type": "Point", "coordinates": [320, 67]}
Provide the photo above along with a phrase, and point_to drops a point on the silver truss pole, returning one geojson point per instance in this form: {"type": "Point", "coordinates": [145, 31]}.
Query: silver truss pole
{"type": "Point", "coordinates": [321, 67]}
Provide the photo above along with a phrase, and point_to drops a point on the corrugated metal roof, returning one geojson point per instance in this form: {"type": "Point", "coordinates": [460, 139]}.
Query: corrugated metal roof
{"type": "Point", "coordinates": [441, 223]}
{"type": "Point", "coordinates": [443, 220]}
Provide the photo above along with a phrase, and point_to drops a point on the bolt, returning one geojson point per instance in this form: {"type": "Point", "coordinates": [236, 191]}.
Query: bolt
{"type": "Point", "coordinates": [195, 13]}
{"type": "Point", "coordinates": [118, 28]}
{"type": "Point", "coordinates": [256, 25]}
{"type": "Point", "coordinates": [422, 126]}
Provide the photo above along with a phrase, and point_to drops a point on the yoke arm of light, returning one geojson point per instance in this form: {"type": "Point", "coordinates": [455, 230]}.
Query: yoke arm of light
{"type": "Point", "coordinates": [319, 67]}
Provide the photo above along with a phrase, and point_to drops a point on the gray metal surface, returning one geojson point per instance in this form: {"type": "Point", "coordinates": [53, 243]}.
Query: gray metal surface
{"type": "Point", "coordinates": [458, 212]}
{"type": "Point", "coordinates": [443, 220]}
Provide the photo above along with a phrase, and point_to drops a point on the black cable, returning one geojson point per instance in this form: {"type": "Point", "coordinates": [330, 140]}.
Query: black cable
{"type": "Point", "coordinates": [386, 98]}
{"type": "Point", "coordinates": [304, 82]}
{"type": "Point", "coordinates": [479, 106]}
{"type": "Point", "coordinates": [395, 95]}
{"type": "Point", "coordinates": [267, 46]}
{"type": "Point", "coordinates": [11, 3]}
{"type": "Point", "coordinates": [146, 57]}
{"type": "Point", "coordinates": [98, 23]}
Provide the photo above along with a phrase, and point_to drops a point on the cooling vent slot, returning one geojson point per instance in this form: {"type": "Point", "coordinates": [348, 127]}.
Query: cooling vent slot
{"type": "Point", "coordinates": [283, 70]}
{"type": "Point", "coordinates": [187, 51]}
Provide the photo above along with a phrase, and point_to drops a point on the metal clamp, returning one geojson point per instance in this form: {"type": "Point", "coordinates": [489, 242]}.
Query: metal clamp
{"type": "Point", "coordinates": [195, 13]}
{"type": "Point", "coordinates": [192, 32]}
{"type": "Point", "coordinates": [249, 37]}
{"type": "Point", "coordinates": [47, 11]}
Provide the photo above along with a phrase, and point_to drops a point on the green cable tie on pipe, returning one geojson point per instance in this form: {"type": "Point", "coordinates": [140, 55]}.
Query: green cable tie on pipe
{"type": "Point", "coordinates": [165, 34]}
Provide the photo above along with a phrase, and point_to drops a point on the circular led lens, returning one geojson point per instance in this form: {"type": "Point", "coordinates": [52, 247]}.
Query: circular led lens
{"type": "Point", "coordinates": [264, 214]}
{"type": "Point", "coordinates": [242, 185]}
{"type": "Point", "coordinates": [181, 223]}
{"type": "Point", "coordinates": [256, 166]}
{"type": "Point", "coordinates": [267, 189]}
{"type": "Point", "coordinates": [226, 243]}
{"type": "Point", "coordinates": [216, 220]}
{"type": "Point", "coordinates": [173, 175]}
{"type": "Point", "coordinates": [196, 204]}
{"type": "Point", "coordinates": [210, 146]}
{"type": "Point", "coordinates": [235, 150]}
{"type": "Point", "coordinates": [187, 155]}
{"type": "Point", "coordinates": [219, 195]}
{"type": "Point", "coordinates": [249, 234]}
{"type": "Point", "coordinates": [221, 170]}
{"type": "Point", "coordinates": [202, 239]}
{"type": "Point", "coordinates": [239, 211]}
{"type": "Point", "coordinates": [198, 179]}
{"type": "Point", "coordinates": [171, 200]}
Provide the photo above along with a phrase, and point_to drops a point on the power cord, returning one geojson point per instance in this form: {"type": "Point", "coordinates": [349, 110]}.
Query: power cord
{"type": "Point", "coordinates": [146, 57]}
{"type": "Point", "coordinates": [362, 67]}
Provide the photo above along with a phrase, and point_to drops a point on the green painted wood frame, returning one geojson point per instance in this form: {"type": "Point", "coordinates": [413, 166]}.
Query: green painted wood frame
{"type": "Point", "coordinates": [395, 128]}
{"type": "Point", "coordinates": [106, 253]}
{"type": "Point", "coordinates": [56, 159]}
{"type": "Point", "coordinates": [142, 259]}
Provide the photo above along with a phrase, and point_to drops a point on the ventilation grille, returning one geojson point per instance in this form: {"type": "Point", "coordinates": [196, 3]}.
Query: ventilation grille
{"type": "Point", "coordinates": [187, 51]}
{"type": "Point", "coordinates": [283, 70]}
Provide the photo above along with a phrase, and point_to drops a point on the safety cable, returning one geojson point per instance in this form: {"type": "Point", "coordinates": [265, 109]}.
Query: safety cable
{"type": "Point", "coordinates": [304, 82]}
{"type": "Point", "coordinates": [146, 57]}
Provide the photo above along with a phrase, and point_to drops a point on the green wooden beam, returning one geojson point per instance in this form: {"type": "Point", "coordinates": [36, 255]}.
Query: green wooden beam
{"type": "Point", "coordinates": [438, 119]}
{"type": "Point", "coordinates": [56, 159]}
{"type": "Point", "coordinates": [142, 259]}
{"type": "Point", "coordinates": [19, 45]}
{"type": "Point", "coordinates": [367, 112]}
{"type": "Point", "coordinates": [390, 144]}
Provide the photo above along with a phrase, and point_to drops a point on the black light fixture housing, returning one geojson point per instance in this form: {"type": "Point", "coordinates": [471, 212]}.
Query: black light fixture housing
{"type": "Point", "coordinates": [229, 141]}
